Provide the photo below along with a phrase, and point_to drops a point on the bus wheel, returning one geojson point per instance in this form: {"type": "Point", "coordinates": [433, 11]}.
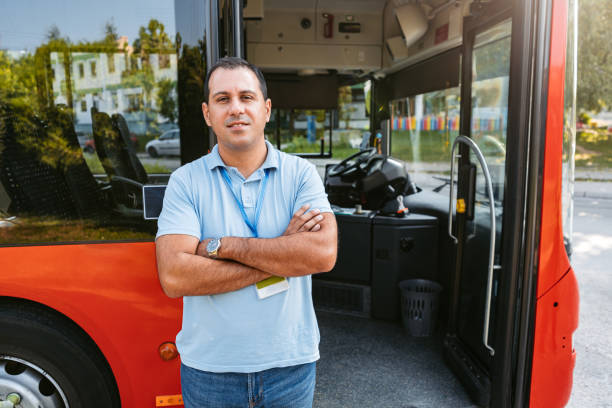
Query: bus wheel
{"type": "Point", "coordinates": [45, 362]}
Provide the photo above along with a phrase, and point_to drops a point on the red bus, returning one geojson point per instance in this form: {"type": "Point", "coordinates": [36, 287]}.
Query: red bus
{"type": "Point", "coordinates": [474, 98]}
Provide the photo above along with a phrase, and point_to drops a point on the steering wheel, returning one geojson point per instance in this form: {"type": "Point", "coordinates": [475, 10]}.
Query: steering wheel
{"type": "Point", "coordinates": [351, 163]}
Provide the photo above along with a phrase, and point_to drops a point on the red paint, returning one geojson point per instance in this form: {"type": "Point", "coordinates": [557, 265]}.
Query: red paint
{"type": "Point", "coordinates": [441, 34]}
{"type": "Point", "coordinates": [553, 357]}
{"type": "Point", "coordinates": [113, 293]}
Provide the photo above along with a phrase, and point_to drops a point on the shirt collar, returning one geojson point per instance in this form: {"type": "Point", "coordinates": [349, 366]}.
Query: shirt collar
{"type": "Point", "coordinates": [213, 159]}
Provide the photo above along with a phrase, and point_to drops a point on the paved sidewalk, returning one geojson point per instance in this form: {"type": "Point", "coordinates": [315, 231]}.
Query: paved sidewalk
{"type": "Point", "coordinates": [593, 189]}
{"type": "Point", "coordinates": [593, 184]}
{"type": "Point", "coordinates": [593, 175]}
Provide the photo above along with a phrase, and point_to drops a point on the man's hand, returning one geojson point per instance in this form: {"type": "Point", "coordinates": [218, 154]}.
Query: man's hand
{"type": "Point", "coordinates": [300, 222]}
{"type": "Point", "coordinates": [303, 221]}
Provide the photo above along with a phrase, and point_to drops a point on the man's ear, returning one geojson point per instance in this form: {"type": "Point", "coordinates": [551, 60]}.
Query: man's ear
{"type": "Point", "coordinates": [268, 109]}
{"type": "Point", "coordinates": [206, 113]}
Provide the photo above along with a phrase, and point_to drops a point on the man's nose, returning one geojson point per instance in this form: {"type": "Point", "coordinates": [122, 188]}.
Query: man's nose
{"type": "Point", "coordinates": [236, 107]}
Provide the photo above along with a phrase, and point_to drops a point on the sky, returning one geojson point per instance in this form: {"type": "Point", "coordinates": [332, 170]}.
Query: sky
{"type": "Point", "coordinates": [25, 23]}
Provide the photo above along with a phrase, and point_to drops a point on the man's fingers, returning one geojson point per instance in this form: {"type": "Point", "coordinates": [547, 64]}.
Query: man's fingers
{"type": "Point", "coordinates": [309, 215]}
{"type": "Point", "coordinates": [316, 228]}
{"type": "Point", "coordinates": [314, 221]}
{"type": "Point", "coordinates": [302, 210]}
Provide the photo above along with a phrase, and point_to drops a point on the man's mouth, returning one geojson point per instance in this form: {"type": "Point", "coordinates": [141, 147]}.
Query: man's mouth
{"type": "Point", "coordinates": [237, 125]}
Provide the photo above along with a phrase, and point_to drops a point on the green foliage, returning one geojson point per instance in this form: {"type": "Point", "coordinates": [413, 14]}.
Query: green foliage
{"type": "Point", "coordinates": [152, 39]}
{"type": "Point", "coordinates": [47, 229]}
{"type": "Point", "coordinates": [18, 79]}
{"type": "Point", "coordinates": [345, 97]}
{"type": "Point", "coordinates": [168, 107]}
{"type": "Point", "coordinates": [594, 56]}
{"type": "Point", "coordinates": [93, 163]}
{"type": "Point", "coordinates": [433, 146]}
{"type": "Point", "coordinates": [156, 168]}
{"type": "Point", "coordinates": [594, 149]}
{"type": "Point", "coordinates": [584, 117]}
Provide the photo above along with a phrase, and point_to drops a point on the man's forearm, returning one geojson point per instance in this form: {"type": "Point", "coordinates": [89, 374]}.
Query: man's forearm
{"type": "Point", "coordinates": [298, 254]}
{"type": "Point", "coordinates": [193, 275]}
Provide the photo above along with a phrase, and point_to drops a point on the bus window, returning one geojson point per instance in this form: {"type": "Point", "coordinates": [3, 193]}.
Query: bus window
{"type": "Point", "coordinates": [300, 131]}
{"type": "Point", "coordinates": [88, 114]}
{"type": "Point", "coordinates": [336, 133]}
{"type": "Point", "coordinates": [423, 128]}
{"type": "Point", "coordinates": [569, 125]}
{"type": "Point", "coordinates": [490, 70]}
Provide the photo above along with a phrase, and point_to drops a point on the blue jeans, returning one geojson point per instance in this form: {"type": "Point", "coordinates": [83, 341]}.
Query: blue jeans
{"type": "Point", "coordinates": [285, 387]}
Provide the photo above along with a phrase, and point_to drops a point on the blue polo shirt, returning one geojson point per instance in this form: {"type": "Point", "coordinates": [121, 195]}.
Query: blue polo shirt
{"type": "Point", "coordinates": [237, 331]}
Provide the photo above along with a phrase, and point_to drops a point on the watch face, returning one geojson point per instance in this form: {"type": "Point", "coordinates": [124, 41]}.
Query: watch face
{"type": "Point", "coordinates": [213, 245]}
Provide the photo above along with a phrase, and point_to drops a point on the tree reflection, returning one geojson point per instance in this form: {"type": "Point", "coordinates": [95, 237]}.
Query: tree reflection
{"type": "Point", "coordinates": [44, 176]}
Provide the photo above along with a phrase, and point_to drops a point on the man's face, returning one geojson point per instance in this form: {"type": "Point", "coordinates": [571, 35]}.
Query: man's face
{"type": "Point", "coordinates": [236, 109]}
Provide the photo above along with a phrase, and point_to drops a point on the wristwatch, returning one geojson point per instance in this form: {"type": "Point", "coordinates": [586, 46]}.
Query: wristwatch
{"type": "Point", "coordinates": [213, 247]}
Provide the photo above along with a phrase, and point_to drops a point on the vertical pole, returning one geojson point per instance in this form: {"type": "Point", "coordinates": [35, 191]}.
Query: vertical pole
{"type": "Point", "coordinates": [278, 135]}
{"type": "Point", "coordinates": [237, 28]}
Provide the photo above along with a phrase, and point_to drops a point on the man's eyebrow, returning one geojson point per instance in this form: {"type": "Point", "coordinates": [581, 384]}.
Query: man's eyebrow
{"type": "Point", "coordinates": [242, 92]}
{"type": "Point", "coordinates": [220, 93]}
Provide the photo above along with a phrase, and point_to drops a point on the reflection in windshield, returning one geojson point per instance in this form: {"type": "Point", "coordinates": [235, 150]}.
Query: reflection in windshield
{"type": "Point", "coordinates": [339, 132]}
{"type": "Point", "coordinates": [78, 107]}
{"type": "Point", "coordinates": [423, 128]}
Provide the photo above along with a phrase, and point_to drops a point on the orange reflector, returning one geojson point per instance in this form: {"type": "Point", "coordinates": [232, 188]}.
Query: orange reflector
{"type": "Point", "coordinates": [460, 206]}
{"type": "Point", "coordinates": [168, 400]}
{"type": "Point", "coordinates": [168, 351]}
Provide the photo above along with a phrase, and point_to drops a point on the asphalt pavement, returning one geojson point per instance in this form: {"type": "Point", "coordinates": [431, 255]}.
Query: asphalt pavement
{"type": "Point", "coordinates": [591, 260]}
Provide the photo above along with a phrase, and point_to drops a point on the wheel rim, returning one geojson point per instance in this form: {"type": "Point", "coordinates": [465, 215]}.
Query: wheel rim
{"type": "Point", "coordinates": [34, 385]}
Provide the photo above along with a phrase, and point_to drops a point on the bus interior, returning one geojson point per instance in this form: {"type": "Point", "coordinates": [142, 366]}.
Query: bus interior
{"type": "Point", "coordinates": [387, 78]}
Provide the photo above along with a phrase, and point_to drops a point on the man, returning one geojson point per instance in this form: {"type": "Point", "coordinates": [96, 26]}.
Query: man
{"type": "Point", "coordinates": [228, 244]}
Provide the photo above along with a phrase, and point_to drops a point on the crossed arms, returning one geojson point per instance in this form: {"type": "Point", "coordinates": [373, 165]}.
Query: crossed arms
{"type": "Point", "coordinates": [308, 245]}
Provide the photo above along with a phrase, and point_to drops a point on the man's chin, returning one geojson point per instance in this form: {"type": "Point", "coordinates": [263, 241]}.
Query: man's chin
{"type": "Point", "coordinates": [240, 142]}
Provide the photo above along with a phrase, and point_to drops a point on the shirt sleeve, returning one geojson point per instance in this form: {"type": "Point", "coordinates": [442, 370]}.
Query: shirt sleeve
{"type": "Point", "coordinates": [178, 215]}
{"type": "Point", "coordinates": [311, 191]}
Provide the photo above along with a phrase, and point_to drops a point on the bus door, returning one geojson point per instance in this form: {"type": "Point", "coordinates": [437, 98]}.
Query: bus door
{"type": "Point", "coordinates": [476, 204]}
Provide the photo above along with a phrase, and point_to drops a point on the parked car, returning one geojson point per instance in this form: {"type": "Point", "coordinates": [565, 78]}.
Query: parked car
{"type": "Point", "coordinates": [168, 144]}
{"type": "Point", "coordinates": [89, 146]}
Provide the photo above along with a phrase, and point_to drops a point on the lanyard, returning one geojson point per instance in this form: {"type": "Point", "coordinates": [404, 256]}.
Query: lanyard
{"type": "Point", "coordinates": [262, 189]}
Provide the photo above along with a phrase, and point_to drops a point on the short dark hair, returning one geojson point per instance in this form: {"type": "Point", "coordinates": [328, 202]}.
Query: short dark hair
{"type": "Point", "coordinates": [235, 63]}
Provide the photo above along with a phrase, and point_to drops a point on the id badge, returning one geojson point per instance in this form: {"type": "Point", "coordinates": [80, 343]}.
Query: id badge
{"type": "Point", "coordinates": [271, 286]}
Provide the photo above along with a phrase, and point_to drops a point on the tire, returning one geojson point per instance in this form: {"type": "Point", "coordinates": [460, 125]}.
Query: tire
{"type": "Point", "coordinates": [152, 152]}
{"type": "Point", "coordinates": [50, 362]}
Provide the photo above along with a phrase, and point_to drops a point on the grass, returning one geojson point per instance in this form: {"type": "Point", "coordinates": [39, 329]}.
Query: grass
{"type": "Point", "coordinates": [49, 229]}
{"type": "Point", "coordinates": [155, 168]}
{"type": "Point", "coordinates": [95, 166]}
{"type": "Point", "coordinates": [594, 149]}
{"type": "Point", "coordinates": [433, 146]}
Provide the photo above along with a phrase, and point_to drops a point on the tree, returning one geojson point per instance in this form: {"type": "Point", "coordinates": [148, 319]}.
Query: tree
{"type": "Point", "coordinates": [110, 33]}
{"type": "Point", "coordinates": [53, 33]}
{"type": "Point", "coordinates": [152, 40]}
{"type": "Point", "coordinates": [165, 99]}
{"type": "Point", "coordinates": [594, 56]}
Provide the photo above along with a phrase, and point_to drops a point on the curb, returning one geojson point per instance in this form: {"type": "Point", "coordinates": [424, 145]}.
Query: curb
{"type": "Point", "coordinates": [593, 194]}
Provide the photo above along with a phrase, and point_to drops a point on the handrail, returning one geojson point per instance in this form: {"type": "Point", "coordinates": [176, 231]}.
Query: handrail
{"type": "Point", "coordinates": [483, 164]}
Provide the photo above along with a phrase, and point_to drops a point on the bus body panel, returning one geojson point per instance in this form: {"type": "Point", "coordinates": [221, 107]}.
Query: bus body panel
{"type": "Point", "coordinates": [553, 258]}
{"type": "Point", "coordinates": [557, 289]}
{"type": "Point", "coordinates": [554, 357]}
{"type": "Point", "coordinates": [112, 292]}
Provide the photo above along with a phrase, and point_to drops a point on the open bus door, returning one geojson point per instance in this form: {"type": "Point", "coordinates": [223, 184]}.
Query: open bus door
{"type": "Point", "coordinates": [509, 251]}
{"type": "Point", "coordinates": [478, 160]}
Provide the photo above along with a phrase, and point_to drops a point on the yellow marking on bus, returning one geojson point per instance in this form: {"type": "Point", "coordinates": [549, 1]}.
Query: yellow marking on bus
{"type": "Point", "coordinates": [460, 206]}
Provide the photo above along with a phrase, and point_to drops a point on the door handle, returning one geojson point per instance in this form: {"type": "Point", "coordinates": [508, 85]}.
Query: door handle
{"type": "Point", "coordinates": [485, 169]}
